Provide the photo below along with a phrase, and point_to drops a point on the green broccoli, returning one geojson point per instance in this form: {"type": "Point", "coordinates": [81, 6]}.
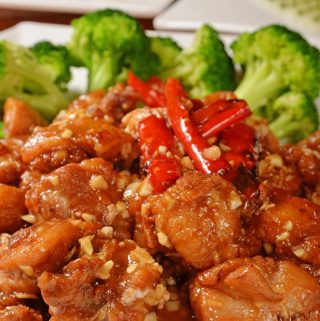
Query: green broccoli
{"type": "Point", "coordinates": [56, 59]}
{"type": "Point", "coordinates": [167, 50]}
{"type": "Point", "coordinates": [1, 129]}
{"type": "Point", "coordinates": [205, 66]}
{"type": "Point", "coordinates": [109, 43]}
{"type": "Point", "coordinates": [293, 116]}
{"type": "Point", "coordinates": [23, 77]}
{"type": "Point", "coordinates": [275, 60]}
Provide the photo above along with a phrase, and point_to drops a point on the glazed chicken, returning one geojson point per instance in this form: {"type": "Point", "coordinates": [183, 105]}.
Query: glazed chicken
{"type": "Point", "coordinates": [27, 253]}
{"type": "Point", "coordinates": [19, 313]}
{"type": "Point", "coordinates": [11, 165]}
{"type": "Point", "coordinates": [12, 208]}
{"type": "Point", "coordinates": [206, 211]}
{"type": "Point", "coordinates": [115, 213]}
{"type": "Point", "coordinates": [251, 289]}
{"type": "Point", "coordinates": [74, 140]}
{"type": "Point", "coordinates": [289, 227]}
{"type": "Point", "coordinates": [120, 282]}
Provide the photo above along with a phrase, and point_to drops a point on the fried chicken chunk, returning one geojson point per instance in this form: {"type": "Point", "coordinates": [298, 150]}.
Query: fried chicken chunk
{"type": "Point", "coordinates": [306, 157]}
{"type": "Point", "coordinates": [19, 118]}
{"type": "Point", "coordinates": [29, 252]}
{"type": "Point", "coordinates": [200, 217]}
{"type": "Point", "coordinates": [289, 227]}
{"type": "Point", "coordinates": [251, 289]}
{"type": "Point", "coordinates": [121, 282]}
{"type": "Point", "coordinates": [73, 190]}
{"type": "Point", "coordinates": [11, 165]}
{"type": "Point", "coordinates": [111, 104]}
{"type": "Point", "coordinates": [11, 208]}
{"type": "Point", "coordinates": [73, 140]}
{"type": "Point", "coordinates": [19, 313]}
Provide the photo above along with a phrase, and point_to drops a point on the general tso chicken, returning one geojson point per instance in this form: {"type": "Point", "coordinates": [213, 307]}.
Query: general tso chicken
{"type": "Point", "coordinates": [190, 209]}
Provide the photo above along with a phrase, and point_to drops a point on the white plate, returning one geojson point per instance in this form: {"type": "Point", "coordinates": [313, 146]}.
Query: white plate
{"type": "Point", "coordinates": [28, 33]}
{"type": "Point", "coordinates": [137, 8]}
{"type": "Point", "coordinates": [233, 16]}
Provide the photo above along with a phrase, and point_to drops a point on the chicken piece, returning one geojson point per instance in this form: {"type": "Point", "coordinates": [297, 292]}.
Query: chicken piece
{"type": "Point", "coordinates": [20, 119]}
{"type": "Point", "coordinates": [111, 105]}
{"type": "Point", "coordinates": [118, 284]}
{"type": "Point", "coordinates": [289, 227]}
{"type": "Point", "coordinates": [28, 179]}
{"type": "Point", "coordinates": [200, 217]}
{"type": "Point", "coordinates": [266, 141]}
{"type": "Point", "coordinates": [11, 208]}
{"type": "Point", "coordinates": [29, 252]}
{"type": "Point", "coordinates": [73, 140]}
{"type": "Point", "coordinates": [275, 174]}
{"type": "Point", "coordinates": [251, 289]}
{"type": "Point", "coordinates": [75, 189]}
{"type": "Point", "coordinates": [306, 155]}
{"type": "Point", "coordinates": [19, 313]}
{"type": "Point", "coordinates": [11, 165]}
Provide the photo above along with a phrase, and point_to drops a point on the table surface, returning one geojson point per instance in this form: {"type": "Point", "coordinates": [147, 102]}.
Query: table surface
{"type": "Point", "coordinates": [9, 18]}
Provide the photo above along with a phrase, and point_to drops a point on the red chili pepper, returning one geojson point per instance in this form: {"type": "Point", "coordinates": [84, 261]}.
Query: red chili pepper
{"type": "Point", "coordinates": [163, 172]}
{"type": "Point", "coordinates": [238, 110]}
{"type": "Point", "coordinates": [205, 113]}
{"type": "Point", "coordinates": [239, 137]}
{"type": "Point", "coordinates": [158, 153]}
{"type": "Point", "coordinates": [151, 93]}
{"type": "Point", "coordinates": [184, 128]}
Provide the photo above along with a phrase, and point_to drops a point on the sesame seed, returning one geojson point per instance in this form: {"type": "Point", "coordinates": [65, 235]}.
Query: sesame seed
{"type": "Point", "coordinates": [283, 236]}
{"type": "Point", "coordinates": [299, 251]}
{"type": "Point", "coordinates": [145, 188]}
{"type": "Point", "coordinates": [107, 231]}
{"type": "Point", "coordinates": [67, 133]}
{"type": "Point", "coordinates": [98, 182]}
{"type": "Point", "coordinates": [288, 226]}
{"type": "Point", "coordinates": [163, 240]}
{"type": "Point", "coordinates": [29, 218]}
{"type": "Point", "coordinates": [235, 200]}
{"type": "Point", "coordinates": [268, 248]}
{"type": "Point", "coordinates": [105, 269]}
{"type": "Point", "coordinates": [162, 149]}
{"type": "Point", "coordinates": [131, 267]}
{"type": "Point", "coordinates": [86, 244]}
{"type": "Point", "coordinates": [26, 269]}
{"type": "Point", "coordinates": [88, 217]}
{"type": "Point", "coordinates": [187, 162]}
{"type": "Point", "coordinates": [212, 153]}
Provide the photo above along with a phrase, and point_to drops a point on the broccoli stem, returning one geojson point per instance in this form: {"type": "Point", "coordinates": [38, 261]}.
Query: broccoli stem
{"type": "Point", "coordinates": [36, 89]}
{"type": "Point", "coordinates": [259, 84]}
{"type": "Point", "coordinates": [284, 126]}
{"type": "Point", "coordinates": [103, 71]}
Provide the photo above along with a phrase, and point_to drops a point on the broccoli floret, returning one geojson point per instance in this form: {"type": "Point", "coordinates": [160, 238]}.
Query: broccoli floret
{"type": "Point", "coordinates": [292, 116]}
{"type": "Point", "coordinates": [275, 60]}
{"type": "Point", "coordinates": [167, 50]}
{"type": "Point", "coordinates": [1, 129]}
{"type": "Point", "coordinates": [205, 66]}
{"type": "Point", "coordinates": [109, 43]}
{"type": "Point", "coordinates": [56, 59]}
{"type": "Point", "coordinates": [21, 76]}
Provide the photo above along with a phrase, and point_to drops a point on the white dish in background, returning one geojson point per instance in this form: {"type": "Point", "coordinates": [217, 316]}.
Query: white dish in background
{"type": "Point", "coordinates": [28, 33]}
{"type": "Point", "coordinates": [136, 8]}
{"type": "Point", "coordinates": [227, 16]}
